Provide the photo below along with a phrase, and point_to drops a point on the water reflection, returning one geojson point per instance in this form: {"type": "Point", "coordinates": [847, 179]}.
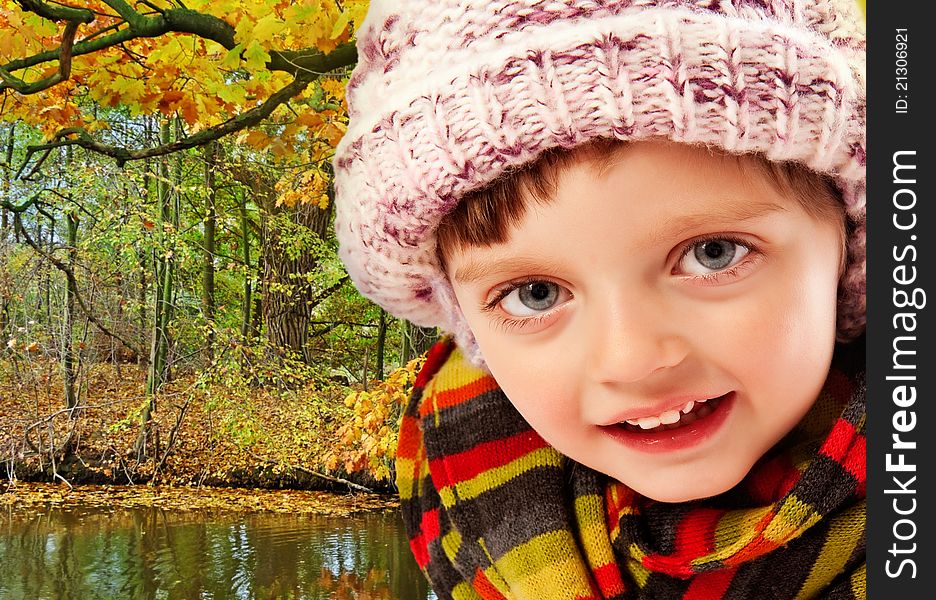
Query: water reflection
{"type": "Point", "coordinates": [152, 553]}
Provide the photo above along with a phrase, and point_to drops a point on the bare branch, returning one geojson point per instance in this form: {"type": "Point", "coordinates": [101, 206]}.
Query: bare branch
{"type": "Point", "coordinates": [64, 268]}
{"type": "Point", "coordinates": [24, 205]}
{"type": "Point", "coordinates": [84, 140]}
{"type": "Point", "coordinates": [329, 291]}
{"type": "Point", "coordinates": [182, 20]}
{"type": "Point", "coordinates": [58, 12]}
{"type": "Point", "coordinates": [64, 72]}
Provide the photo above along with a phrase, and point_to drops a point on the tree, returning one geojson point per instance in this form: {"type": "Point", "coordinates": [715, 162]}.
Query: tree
{"type": "Point", "coordinates": [220, 66]}
{"type": "Point", "coordinates": [96, 74]}
{"type": "Point", "coordinates": [165, 185]}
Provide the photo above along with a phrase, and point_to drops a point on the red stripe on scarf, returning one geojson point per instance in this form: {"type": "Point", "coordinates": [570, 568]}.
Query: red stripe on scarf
{"type": "Point", "coordinates": [437, 356]}
{"type": "Point", "coordinates": [449, 470]}
{"type": "Point", "coordinates": [485, 588]}
{"type": "Point", "coordinates": [409, 440]}
{"type": "Point", "coordinates": [839, 441]}
{"type": "Point", "coordinates": [428, 531]}
{"type": "Point", "coordinates": [772, 480]}
{"type": "Point", "coordinates": [695, 537]}
{"type": "Point", "coordinates": [846, 447]}
{"type": "Point", "coordinates": [710, 586]}
{"type": "Point", "coordinates": [454, 397]}
{"type": "Point", "coordinates": [855, 461]}
{"type": "Point", "coordinates": [608, 578]}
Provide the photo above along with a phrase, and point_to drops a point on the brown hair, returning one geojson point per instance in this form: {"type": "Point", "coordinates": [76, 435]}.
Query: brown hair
{"type": "Point", "coordinates": [485, 217]}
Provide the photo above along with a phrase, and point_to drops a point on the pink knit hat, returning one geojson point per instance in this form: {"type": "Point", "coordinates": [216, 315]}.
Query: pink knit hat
{"type": "Point", "coordinates": [447, 94]}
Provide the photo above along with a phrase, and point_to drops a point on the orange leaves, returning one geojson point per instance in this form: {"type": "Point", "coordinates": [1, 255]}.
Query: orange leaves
{"type": "Point", "coordinates": [58, 115]}
{"type": "Point", "coordinates": [169, 102]}
{"type": "Point", "coordinates": [177, 73]}
{"type": "Point", "coordinates": [309, 187]}
{"type": "Point", "coordinates": [333, 132]}
{"type": "Point", "coordinates": [367, 441]}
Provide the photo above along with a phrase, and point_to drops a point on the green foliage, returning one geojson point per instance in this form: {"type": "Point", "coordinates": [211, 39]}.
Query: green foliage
{"type": "Point", "coordinates": [122, 240]}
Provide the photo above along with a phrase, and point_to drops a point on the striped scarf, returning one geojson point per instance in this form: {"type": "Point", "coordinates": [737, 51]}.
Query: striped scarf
{"type": "Point", "coordinates": [493, 512]}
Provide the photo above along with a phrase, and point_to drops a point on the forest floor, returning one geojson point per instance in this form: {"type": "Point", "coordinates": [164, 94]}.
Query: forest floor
{"type": "Point", "coordinates": [201, 434]}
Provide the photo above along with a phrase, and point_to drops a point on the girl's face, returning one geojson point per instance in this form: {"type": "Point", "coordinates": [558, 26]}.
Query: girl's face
{"type": "Point", "coordinates": [664, 322]}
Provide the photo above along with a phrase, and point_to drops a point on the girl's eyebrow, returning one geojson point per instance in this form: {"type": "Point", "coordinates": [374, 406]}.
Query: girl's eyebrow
{"type": "Point", "coordinates": [477, 270]}
{"type": "Point", "coordinates": [729, 211]}
{"type": "Point", "coordinates": [724, 212]}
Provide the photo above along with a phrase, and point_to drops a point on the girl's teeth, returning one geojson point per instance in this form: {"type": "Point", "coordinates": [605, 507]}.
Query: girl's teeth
{"type": "Point", "coordinates": [648, 422]}
{"type": "Point", "coordinates": [694, 409]}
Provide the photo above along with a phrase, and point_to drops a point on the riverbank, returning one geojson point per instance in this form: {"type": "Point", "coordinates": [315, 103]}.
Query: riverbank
{"type": "Point", "coordinates": [217, 433]}
{"type": "Point", "coordinates": [27, 495]}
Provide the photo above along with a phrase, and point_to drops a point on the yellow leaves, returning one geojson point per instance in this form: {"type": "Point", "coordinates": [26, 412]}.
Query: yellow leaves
{"type": "Point", "coordinates": [341, 25]}
{"type": "Point", "coordinates": [334, 88]}
{"type": "Point", "coordinates": [268, 28]}
{"type": "Point", "coordinates": [189, 112]}
{"type": "Point", "coordinates": [368, 439]}
{"type": "Point", "coordinates": [255, 139]}
{"type": "Point", "coordinates": [293, 25]}
{"type": "Point", "coordinates": [169, 101]}
{"type": "Point", "coordinates": [333, 132]}
{"type": "Point", "coordinates": [232, 58]}
{"type": "Point", "coordinates": [357, 9]}
{"type": "Point", "coordinates": [129, 90]}
{"type": "Point", "coordinates": [57, 116]}
{"type": "Point", "coordinates": [255, 56]}
{"type": "Point", "coordinates": [197, 80]}
{"type": "Point", "coordinates": [234, 94]}
{"type": "Point", "coordinates": [310, 187]}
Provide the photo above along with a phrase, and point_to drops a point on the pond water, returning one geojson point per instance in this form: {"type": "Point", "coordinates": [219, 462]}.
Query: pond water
{"type": "Point", "coordinates": [89, 553]}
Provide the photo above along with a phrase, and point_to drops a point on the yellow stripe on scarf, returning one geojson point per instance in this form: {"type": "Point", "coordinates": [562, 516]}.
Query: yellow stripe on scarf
{"type": "Point", "coordinates": [560, 572]}
{"type": "Point", "coordinates": [497, 476]}
{"type": "Point", "coordinates": [845, 531]}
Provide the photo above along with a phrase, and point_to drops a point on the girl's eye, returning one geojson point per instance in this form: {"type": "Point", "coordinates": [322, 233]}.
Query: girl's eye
{"type": "Point", "coordinates": [707, 256]}
{"type": "Point", "coordinates": [532, 298]}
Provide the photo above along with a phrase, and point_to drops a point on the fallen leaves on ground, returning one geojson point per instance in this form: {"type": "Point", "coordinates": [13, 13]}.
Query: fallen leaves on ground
{"type": "Point", "coordinates": [26, 495]}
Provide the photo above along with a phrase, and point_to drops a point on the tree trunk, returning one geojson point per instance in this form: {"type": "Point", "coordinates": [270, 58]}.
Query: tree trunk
{"type": "Point", "coordinates": [7, 178]}
{"type": "Point", "coordinates": [381, 343]}
{"type": "Point", "coordinates": [162, 313]}
{"type": "Point", "coordinates": [416, 340]}
{"type": "Point", "coordinates": [288, 289]}
{"type": "Point", "coordinates": [69, 364]}
{"type": "Point", "coordinates": [245, 247]}
{"type": "Point", "coordinates": [6, 298]}
{"type": "Point", "coordinates": [142, 290]}
{"type": "Point", "coordinates": [208, 279]}
{"type": "Point", "coordinates": [256, 319]}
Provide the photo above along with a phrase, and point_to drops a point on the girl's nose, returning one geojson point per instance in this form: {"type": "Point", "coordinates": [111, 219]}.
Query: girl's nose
{"type": "Point", "coordinates": [634, 337]}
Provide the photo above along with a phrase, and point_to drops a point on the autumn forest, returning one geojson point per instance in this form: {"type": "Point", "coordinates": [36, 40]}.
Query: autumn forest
{"type": "Point", "coordinates": [172, 308]}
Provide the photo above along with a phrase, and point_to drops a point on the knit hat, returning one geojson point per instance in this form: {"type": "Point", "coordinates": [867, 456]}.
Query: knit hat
{"type": "Point", "coordinates": [448, 94]}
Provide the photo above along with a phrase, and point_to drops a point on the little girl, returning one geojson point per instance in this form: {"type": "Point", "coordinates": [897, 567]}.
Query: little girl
{"type": "Point", "coordinates": [642, 224]}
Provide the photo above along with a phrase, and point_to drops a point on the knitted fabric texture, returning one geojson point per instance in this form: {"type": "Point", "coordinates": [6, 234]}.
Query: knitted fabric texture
{"type": "Point", "coordinates": [493, 512]}
{"type": "Point", "coordinates": [448, 94]}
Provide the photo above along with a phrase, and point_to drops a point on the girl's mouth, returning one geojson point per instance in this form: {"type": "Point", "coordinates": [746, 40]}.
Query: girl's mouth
{"type": "Point", "coordinates": [694, 423]}
{"type": "Point", "coordinates": [673, 419]}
